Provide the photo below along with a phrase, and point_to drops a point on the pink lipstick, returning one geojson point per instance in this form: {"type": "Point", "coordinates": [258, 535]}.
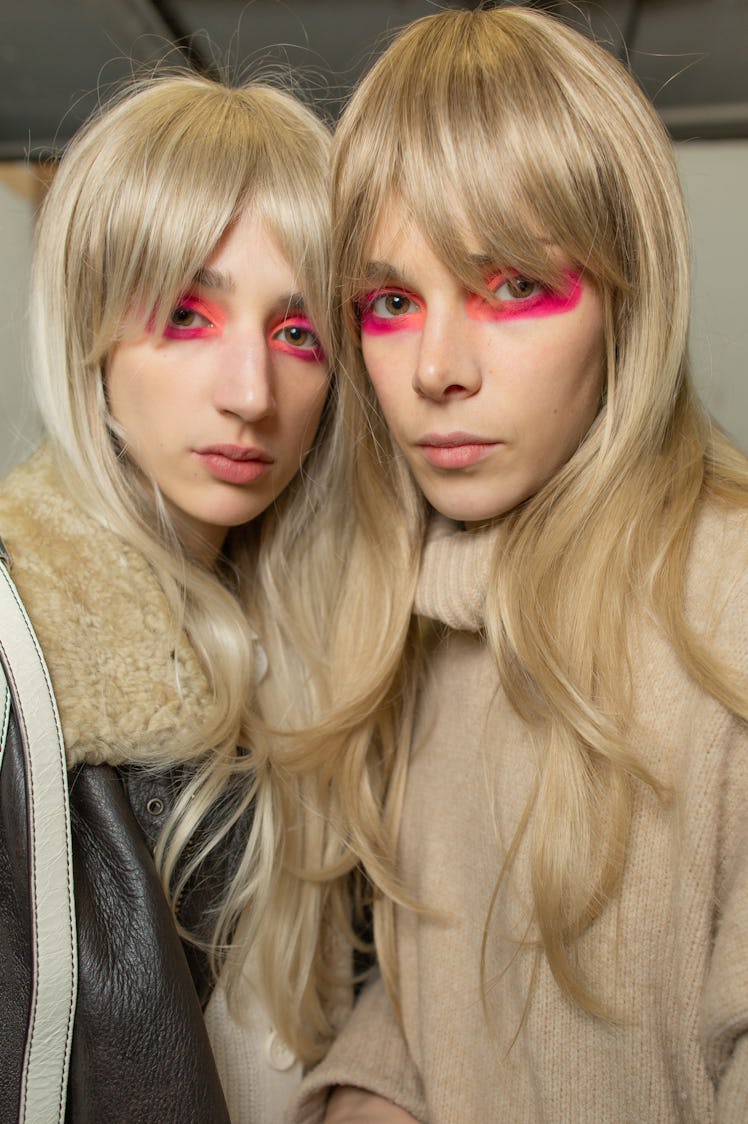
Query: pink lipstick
{"type": "Point", "coordinates": [234, 464]}
{"type": "Point", "coordinates": [455, 450]}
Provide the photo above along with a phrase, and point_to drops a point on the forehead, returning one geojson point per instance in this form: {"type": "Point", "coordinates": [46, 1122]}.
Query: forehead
{"type": "Point", "coordinates": [397, 218]}
{"type": "Point", "coordinates": [250, 244]}
{"type": "Point", "coordinates": [402, 240]}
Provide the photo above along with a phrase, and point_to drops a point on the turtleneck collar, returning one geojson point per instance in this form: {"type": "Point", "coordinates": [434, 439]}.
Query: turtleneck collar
{"type": "Point", "coordinates": [455, 569]}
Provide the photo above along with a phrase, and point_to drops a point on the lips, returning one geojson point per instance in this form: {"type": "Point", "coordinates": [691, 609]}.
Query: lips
{"type": "Point", "coordinates": [235, 464]}
{"type": "Point", "coordinates": [455, 450]}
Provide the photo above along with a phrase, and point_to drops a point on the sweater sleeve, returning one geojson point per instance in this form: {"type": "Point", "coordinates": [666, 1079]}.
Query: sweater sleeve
{"type": "Point", "coordinates": [371, 1053]}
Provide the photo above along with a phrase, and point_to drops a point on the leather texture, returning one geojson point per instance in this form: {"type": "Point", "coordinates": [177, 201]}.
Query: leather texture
{"type": "Point", "coordinates": [140, 1049]}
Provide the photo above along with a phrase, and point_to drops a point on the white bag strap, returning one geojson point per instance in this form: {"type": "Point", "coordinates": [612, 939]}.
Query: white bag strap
{"type": "Point", "coordinates": [4, 715]}
{"type": "Point", "coordinates": [54, 945]}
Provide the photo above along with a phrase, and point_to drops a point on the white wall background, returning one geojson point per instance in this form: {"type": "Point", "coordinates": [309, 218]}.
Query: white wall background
{"type": "Point", "coordinates": [19, 427]}
{"type": "Point", "coordinates": [715, 176]}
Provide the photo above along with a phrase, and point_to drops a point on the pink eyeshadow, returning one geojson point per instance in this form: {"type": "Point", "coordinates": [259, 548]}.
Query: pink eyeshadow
{"type": "Point", "coordinates": [544, 303]}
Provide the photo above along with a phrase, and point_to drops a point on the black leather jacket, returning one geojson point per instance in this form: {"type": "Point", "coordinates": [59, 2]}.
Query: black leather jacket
{"type": "Point", "coordinates": [140, 1051]}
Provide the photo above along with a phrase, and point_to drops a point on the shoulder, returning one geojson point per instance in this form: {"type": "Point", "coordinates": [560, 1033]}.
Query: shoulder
{"type": "Point", "coordinates": [28, 495]}
{"type": "Point", "coordinates": [720, 539]}
{"type": "Point", "coordinates": [64, 561]}
{"type": "Point", "coordinates": [126, 679]}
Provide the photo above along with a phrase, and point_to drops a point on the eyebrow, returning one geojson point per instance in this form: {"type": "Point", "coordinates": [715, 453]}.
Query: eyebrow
{"type": "Point", "coordinates": [293, 301]}
{"type": "Point", "coordinates": [379, 272]}
{"type": "Point", "coordinates": [218, 281]}
{"type": "Point", "coordinates": [482, 262]}
{"type": "Point", "coordinates": [214, 279]}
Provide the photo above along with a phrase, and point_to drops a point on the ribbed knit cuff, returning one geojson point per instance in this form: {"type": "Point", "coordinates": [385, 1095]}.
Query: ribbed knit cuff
{"type": "Point", "coordinates": [370, 1053]}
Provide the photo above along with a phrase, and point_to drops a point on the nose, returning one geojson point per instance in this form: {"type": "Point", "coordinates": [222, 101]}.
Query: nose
{"type": "Point", "coordinates": [447, 366]}
{"type": "Point", "coordinates": [244, 385]}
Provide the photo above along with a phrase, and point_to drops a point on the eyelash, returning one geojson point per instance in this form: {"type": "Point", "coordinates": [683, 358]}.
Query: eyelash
{"type": "Point", "coordinates": [542, 301]}
{"type": "Point", "coordinates": [495, 285]}
{"type": "Point", "coordinates": [539, 301]}
{"type": "Point", "coordinates": [214, 322]}
{"type": "Point", "coordinates": [392, 296]}
{"type": "Point", "coordinates": [313, 354]}
{"type": "Point", "coordinates": [372, 320]}
{"type": "Point", "coordinates": [514, 281]}
{"type": "Point", "coordinates": [194, 306]}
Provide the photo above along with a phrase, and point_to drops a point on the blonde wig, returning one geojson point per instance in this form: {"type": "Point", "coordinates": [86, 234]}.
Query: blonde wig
{"type": "Point", "coordinates": [138, 205]}
{"type": "Point", "coordinates": [505, 128]}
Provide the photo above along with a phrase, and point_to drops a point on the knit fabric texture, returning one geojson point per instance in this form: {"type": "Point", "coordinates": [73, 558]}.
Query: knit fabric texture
{"type": "Point", "coordinates": [668, 956]}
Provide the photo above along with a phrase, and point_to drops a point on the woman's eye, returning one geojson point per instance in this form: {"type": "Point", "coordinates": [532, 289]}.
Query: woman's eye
{"type": "Point", "coordinates": [190, 318]}
{"type": "Point", "coordinates": [297, 337]}
{"type": "Point", "coordinates": [392, 304]}
{"type": "Point", "coordinates": [516, 288]}
{"type": "Point", "coordinates": [390, 310]}
{"type": "Point", "coordinates": [184, 317]}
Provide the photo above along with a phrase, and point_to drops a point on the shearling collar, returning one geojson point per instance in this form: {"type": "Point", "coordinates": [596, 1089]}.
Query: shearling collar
{"type": "Point", "coordinates": [103, 623]}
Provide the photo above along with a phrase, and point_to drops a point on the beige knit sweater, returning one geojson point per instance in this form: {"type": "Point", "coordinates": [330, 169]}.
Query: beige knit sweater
{"type": "Point", "coordinates": [670, 956]}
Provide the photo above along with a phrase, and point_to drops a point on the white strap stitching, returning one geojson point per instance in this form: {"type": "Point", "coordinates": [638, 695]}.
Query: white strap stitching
{"type": "Point", "coordinates": [50, 1030]}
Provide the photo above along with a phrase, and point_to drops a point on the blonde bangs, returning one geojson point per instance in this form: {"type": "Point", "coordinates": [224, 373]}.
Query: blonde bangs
{"type": "Point", "coordinates": [205, 154]}
{"type": "Point", "coordinates": [482, 114]}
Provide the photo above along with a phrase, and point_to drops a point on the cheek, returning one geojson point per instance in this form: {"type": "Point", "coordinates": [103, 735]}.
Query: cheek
{"type": "Point", "coordinates": [304, 410]}
{"type": "Point", "coordinates": [592, 374]}
{"type": "Point", "coordinates": [573, 398]}
{"type": "Point", "coordinates": [389, 372]}
{"type": "Point", "coordinates": [390, 402]}
{"type": "Point", "coordinates": [122, 387]}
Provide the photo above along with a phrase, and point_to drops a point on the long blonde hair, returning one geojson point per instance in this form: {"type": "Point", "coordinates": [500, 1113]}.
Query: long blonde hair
{"type": "Point", "coordinates": [138, 205]}
{"type": "Point", "coordinates": [533, 133]}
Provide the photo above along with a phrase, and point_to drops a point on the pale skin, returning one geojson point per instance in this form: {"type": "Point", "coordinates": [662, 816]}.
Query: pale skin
{"type": "Point", "coordinates": [485, 398]}
{"type": "Point", "coordinates": [222, 406]}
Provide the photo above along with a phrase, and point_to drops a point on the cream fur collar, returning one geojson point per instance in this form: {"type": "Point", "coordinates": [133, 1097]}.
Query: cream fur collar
{"type": "Point", "coordinates": [103, 624]}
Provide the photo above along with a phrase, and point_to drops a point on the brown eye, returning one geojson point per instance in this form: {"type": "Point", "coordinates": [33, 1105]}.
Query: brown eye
{"type": "Point", "coordinates": [299, 336]}
{"type": "Point", "coordinates": [396, 303]}
{"type": "Point", "coordinates": [391, 303]}
{"type": "Point", "coordinates": [183, 317]}
{"type": "Point", "coordinates": [516, 289]}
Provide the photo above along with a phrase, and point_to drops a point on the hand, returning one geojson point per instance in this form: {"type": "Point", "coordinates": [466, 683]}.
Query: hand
{"type": "Point", "coordinates": [349, 1105]}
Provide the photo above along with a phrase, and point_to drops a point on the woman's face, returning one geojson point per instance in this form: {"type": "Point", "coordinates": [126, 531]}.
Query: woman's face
{"type": "Point", "coordinates": [221, 408]}
{"type": "Point", "coordinates": [486, 399]}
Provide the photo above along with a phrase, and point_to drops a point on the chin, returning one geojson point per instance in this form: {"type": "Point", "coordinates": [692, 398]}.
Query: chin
{"type": "Point", "coordinates": [462, 512]}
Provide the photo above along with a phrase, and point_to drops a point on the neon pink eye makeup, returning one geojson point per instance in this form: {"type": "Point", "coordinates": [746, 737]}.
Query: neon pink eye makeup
{"type": "Point", "coordinates": [295, 336]}
{"type": "Point", "coordinates": [516, 296]}
{"type": "Point", "coordinates": [390, 310]}
{"type": "Point", "coordinates": [194, 318]}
